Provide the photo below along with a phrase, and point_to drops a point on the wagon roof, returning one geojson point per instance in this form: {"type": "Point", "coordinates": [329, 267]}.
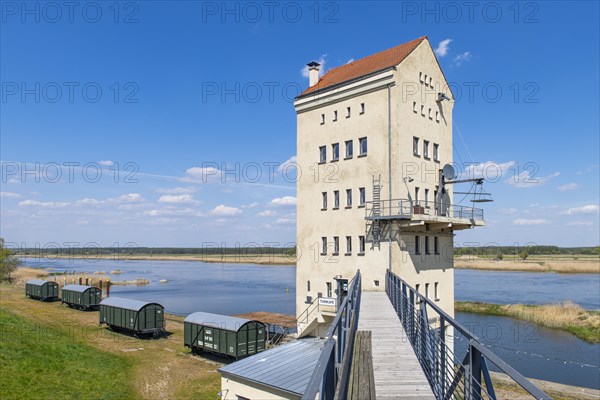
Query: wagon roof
{"type": "Point", "coordinates": [38, 282]}
{"type": "Point", "coordinates": [217, 321]}
{"type": "Point", "coordinates": [77, 288]}
{"type": "Point", "coordinates": [287, 367]}
{"type": "Point", "coordinates": [127, 304]}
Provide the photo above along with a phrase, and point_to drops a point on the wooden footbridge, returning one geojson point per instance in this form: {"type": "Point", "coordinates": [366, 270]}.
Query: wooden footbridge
{"type": "Point", "coordinates": [398, 345]}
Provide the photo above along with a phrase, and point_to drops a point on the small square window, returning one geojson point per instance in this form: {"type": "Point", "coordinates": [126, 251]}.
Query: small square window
{"type": "Point", "coordinates": [436, 246]}
{"type": "Point", "coordinates": [336, 199]}
{"type": "Point", "coordinates": [430, 81]}
{"type": "Point", "coordinates": [421, 77]}
{"type": "Point", "coordinates": [415, 107]}
{"type": "Point", "coordinates": [417, 245]}
{"type": "Point", "coordinates": [336, 245]}
{"type": "Point", "coordinates": [423, 110]}
{"type": "Point", "coordinates": [322, 119]}
{"type": "Point", "coordinates": [415, 146]}
{"type": "Point", "coordinates": [430, 117]}
{"type": "Point", "coordinates": [425, 79]}
{"type": "Point", "coordinates": [335, 152]}
{"type": "Point", "coordinates": [348, 197]}
{"type": "Point", "coordinates": [427, 251]}
{"type": "Point", "coordinates": [334, 116]}
{"type": "Point", "coordinates": [361, 245]}
{"type": "Point", "coordinates": [349, 148]}
{"type": "Point", "coordinates": [322, 154]}
{"type": "Point", "coordinates": [324, 195]}
{"type": "Point", "coordinates": [348, 110]}
{"type": "Point", "coordinates": [324, 245]}
{"type": "Point", "coordinates": [348, 244]}
{"type": "Point", "coordinates": [361, 196]}
{"type": "Point", "coordinates": [436, 152]}
{"type": "Point", "coordinates": [427, 290]}
{"type": "Point", "coordinates": [436, 291]}
{"type": "Point", "coordinates": [426, 148]}
{"type": "Point", "coordinates": [362, 146]}
{"type": "Point", "coordinates": [362, 108]}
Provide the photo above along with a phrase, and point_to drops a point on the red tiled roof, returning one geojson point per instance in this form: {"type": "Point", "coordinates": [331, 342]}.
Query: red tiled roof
{"type": "Point", "coordinates": [365, 66]}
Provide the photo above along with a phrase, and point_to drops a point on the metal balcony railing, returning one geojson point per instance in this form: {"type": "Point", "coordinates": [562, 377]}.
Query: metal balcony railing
{"type": "Point", "coordinates": [451, 376]}
{"type": "Point", "coordinates": [410, 209]}
{"type": "Point", "coordinates": [332, 372]}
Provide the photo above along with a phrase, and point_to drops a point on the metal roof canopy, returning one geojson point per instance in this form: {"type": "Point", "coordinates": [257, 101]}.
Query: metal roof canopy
{"type": "Point", "coordinates": [287, 367]}
{"type": "Point", "coordinates": [77, 288]}
{"type": "Point", "coordinates": [127, 304]}
{"type": "Point", "coordinates": [38, 282]}
{"type": "Point", "coordinates": [224, 322]}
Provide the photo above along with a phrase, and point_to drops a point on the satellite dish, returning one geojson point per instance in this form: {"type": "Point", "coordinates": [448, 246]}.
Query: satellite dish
{"type": "Point", "coordinates": [448, 172]}
{"type": "Point", "coordinates": [445, 206]}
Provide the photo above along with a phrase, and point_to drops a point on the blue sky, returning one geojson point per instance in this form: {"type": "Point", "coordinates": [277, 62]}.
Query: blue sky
{"type": "Point", "coordinates": [147, 103]}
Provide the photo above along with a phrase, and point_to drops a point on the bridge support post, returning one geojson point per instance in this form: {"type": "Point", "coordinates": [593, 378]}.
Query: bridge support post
{"type": "Point", "coordinates": [475, 366]}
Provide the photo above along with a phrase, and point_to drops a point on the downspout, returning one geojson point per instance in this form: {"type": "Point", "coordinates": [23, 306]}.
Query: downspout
{"type": "Point", "coordinates": [390, 172]}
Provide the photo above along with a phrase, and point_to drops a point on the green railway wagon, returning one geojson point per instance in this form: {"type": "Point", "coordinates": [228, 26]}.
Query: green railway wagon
{"type": "Point", "coordinates": [81, 296]}
{"type": "Point", "coordinates": [138, 317]}
{"type": "Point", "coordinates": [41, 290]}
{"type": "Point", "coordinates": [224, 335]}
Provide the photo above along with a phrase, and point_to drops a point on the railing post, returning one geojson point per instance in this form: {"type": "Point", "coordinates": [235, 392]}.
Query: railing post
{"type": "Point", "coordinates": [412, 317]}
{"type": "Point", "coordinates": [424, 322]}
{"type": "Point", "coordinates": [475, 367]}
{"type": "Point", "coordinates": [443, 357]}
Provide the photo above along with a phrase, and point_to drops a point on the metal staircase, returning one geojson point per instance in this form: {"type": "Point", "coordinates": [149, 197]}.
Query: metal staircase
{"type": "Point", "coordinates": [376, 212]}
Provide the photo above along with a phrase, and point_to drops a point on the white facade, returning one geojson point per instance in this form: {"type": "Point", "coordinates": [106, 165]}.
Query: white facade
{"type": "Point", "coordinates": [381, 114]}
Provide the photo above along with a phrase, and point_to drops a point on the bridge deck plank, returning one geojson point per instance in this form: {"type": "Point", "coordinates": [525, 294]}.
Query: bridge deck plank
{"type": "Point", "coordinates": [398, 374]}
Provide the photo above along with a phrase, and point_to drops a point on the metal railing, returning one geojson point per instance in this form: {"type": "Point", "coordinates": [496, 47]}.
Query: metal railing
{"type": "Point", "coordinates": [451, 376]}
{"type": "Point", "coordinates": [406, 209]}
{"type": "Point", "coordinates": [332, 372]}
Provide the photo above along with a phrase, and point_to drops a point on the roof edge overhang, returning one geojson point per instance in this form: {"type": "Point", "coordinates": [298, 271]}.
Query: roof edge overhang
{"type": "Point", "coordinates": [226, 374]}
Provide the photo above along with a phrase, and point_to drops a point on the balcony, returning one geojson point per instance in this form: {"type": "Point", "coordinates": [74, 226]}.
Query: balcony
{"type": "Point", "coordinates": [424, 211]}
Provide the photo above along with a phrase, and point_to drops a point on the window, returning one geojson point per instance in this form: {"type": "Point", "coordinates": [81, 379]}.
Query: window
{"type": "Point", "coordinates": [426, 148]}
{"type": "Point", "coordinates": [329, 293]}
{"type": "Point", "coordinates": [425, 79]}
{"type": "Point", "coordinates": [430, 81]}
{"type": "Point", "coordinates": [336, 199]}
{"type": "Point", "coordinates": [427, 290]}
{"type": "Point", "coordinates": [335, 116]}
{"type": "Point", "coordinates": [415, 146]}
{"type": "Point", "coordinates": [426, 197]}
{"type": "Point", "coordinates": [349, 149]}
{"type": "Point", "coordinates": [347, 112]}
{"type": "Point", "coordinates": [322, 119]}
{"type": "Point", "coordinates": [348, 244]}
{"type": "Point", "coordinates": [417, 286]}
{"type": "Point", "coordinates": [427, 245]}
{"type": "Point", "coordinates": [361, 245]}
{"type": "Point", "coordinates": [436, 291]}
{"type": "Point", "coordinates": [324, 245]}
{"type": "Point", "coordinates": [348, 197]}
{"type": "Point", "coordinates": [430, 117]}
{"type": "Point", "coordinates": [436, 246]}
{"type": "Point", "coordinates": [322, 154]}
{"type": "Point", "coordinates": [362, 108]}
{"type": "Point", "coordinates": [362, 146]}
{"type": "Point", "coordinates": [421, 77]}
{"type": "Point", "coordinates": [335, 152]}
{"type": "Point", "coordinates": [336, 245]}
{"type": "Point", "coordinates": [308, 286]}
{"type": "Point", "coordinates": [423, 110]}
{"type": "Point", "coordinates": [417, 245]}
{"type": "Point", "coordinates": [324, 194]}
{"type": "Point", "coordinates": [416, 195]}
{"type": "Point", "coordinates": [436, 152]}
{"type": "Point", "coordinates": [437, 116]}
{"type": "Point", "coordinates": [361, 196]}
{"type": "Point", "coordinates": [415, 107]}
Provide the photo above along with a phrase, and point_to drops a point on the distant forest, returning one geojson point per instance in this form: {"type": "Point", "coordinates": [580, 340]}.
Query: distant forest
{"type": "Point", "coordinates": [286, 251]}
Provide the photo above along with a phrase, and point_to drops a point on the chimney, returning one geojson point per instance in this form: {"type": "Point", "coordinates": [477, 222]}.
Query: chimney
{"type": "Point", "coordinates": [313, 73]}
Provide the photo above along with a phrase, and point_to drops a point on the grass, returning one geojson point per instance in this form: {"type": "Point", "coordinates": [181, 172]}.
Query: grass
{"type": "Point", "coordinates": [41, 362]}
{"type": "Point", "coordinates": [537, 263]}
{"type": "Point", "coordinates": [567, 316]}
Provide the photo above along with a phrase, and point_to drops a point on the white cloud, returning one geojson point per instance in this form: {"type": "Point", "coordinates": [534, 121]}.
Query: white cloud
{"type": "Point", "coordinates": [321, 60]}
{"type": "Point", "coordinates": [489, 170]}
{"type": "Point", "coordinates": [509, 211]}
{"type": "Point", "coordinates": [461, 58]}
{"type": "Point", "coordinates": [106, 163]}
{"type": "Point", "coordinates": [267, 213]}
{"type": "Point", "coordinates": [174, 211]}
{"type": "Point", "coordinates": [88, 202]}
{"type": "Point", "coordinates": [287, 165]}
{"type": "Point", "coordinates": [285, 221]}
{"type": "Point", "coordinates": [178, 190]}
{"type": "Point", "coordinates": [568, 186]}
{"type": "Point", "coordinates": [10, 194]}
{"type": "Point", "coordinates": [128, 198]}
{"type": "Point", "coordinates": [251, 205]}
{"type": "Point", "coordinates": [587, 209]}
{"type": "Point", "coordinates": [581, 223]}
{"type": "Point", "coordinates": [284, 201]}
{"type": "Point", "coordinates": [225, 211]}
{"type": "Point", "coordinates": [202, 174]}
{"type": "Point", "coordinates": [177, 199]}
{"type": "Point", "coordinates": [526, 180]}
{"type": "Point", "coordinates": [442, 48]}
{"type": "Point", "coordinates": [43, 204]}
{"type": "Point", "coordinates": [539, 221]}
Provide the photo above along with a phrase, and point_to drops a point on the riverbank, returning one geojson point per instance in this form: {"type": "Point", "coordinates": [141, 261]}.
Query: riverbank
{"type": "Point", "coordinates": [267, 259]}
{"type": "Point", "coordinates": [23, 274]}
{"type": "Point", "coordinates": [61, 342]}
{"type": "Point", "coordinates": [539, 263]}
{"type": "Point", "coordinates": [566, 316]}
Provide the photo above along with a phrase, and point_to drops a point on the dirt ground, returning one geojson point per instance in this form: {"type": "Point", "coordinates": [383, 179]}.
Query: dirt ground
{"type": "Point", "coordinates": [175, 373]}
